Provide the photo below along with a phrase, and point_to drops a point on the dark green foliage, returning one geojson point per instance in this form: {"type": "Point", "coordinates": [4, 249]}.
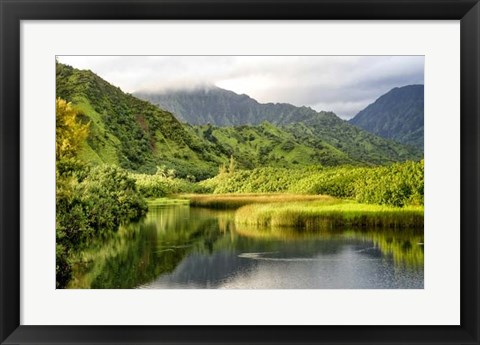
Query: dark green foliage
{"type": "Point", "coordinates": [396, 115]}
{"type": "Point", "coordinates": [108, 188]}
{"type": "Point", "coordinates": [91, 203]}
{"type": "Point", "coordinates": [399, 184]}
{"type": "Point", "coordinates": [63, 266]}
{"type": "Point", "coordinates": [155, 186]}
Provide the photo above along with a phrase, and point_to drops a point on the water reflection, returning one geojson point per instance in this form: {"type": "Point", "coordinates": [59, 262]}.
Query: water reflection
{"type": "Point", "coordinates": [182, 247]}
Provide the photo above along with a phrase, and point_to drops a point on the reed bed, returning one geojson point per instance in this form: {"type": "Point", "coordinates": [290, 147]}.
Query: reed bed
{"type": "Point", "coordinates": [235, 201]}
{"type": "Point", "coordinates": [329, 216]}
{"type": "Point", "coordinates": [166, 201]}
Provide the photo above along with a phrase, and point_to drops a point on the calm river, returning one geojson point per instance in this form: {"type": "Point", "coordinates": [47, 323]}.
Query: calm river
{"type": "Point", "coordinates": [179, 247]}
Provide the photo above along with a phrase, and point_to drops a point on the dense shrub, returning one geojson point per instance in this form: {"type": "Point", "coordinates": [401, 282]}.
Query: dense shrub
{"type": "Point", "coordinates": [91, 203]}
{"type": "Point", "coordinates": [154, 186]}
{"type": "Point", "coordinates": [337, 182]}
{"type": "Point", "coordinates": [259, 180]}
{"type": "Point", "coordinates": [396, 185]}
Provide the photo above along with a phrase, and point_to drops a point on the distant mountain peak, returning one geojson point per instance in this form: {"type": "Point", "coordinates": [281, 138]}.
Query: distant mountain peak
{"type": "Point", "coordinates": [140, 136]}
{"type": "Point", "coordinates": [396, 115]}
{"type": "Point", "coordinates": [223, 107]}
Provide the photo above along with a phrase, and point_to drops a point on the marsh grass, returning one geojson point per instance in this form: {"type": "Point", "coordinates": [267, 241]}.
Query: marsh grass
{"type": "Point", "coordinates": [331, 215]}
{"type": "Point", "coordinates": [166, 201]}
{"type": "Point", "coordinates": [235, 201]}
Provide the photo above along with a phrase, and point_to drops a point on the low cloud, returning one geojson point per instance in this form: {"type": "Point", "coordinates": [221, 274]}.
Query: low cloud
{"type": "Point", "coordinates": [342, 84]}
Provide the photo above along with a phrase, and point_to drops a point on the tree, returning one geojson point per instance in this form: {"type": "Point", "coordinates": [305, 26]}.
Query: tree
{"type": "Point", "coordinates": [162, 171]}
{"type": "Point", "coordinates": [232, 165]}
{"type": "Point", "coordinates": [70, 133]}
{"type": "Point", "coordinates": [222, 169]}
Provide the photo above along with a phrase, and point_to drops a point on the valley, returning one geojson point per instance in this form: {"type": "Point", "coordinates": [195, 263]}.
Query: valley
{"type": "Point", "coordinates": [129, 165]}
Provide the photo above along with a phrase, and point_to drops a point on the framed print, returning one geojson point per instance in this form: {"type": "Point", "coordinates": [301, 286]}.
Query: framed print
{"type": "Point", "coordinates": [239, 172]}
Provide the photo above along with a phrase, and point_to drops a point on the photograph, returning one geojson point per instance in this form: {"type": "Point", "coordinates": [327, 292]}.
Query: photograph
{"type": "Point", "coordinates": [239, 172]}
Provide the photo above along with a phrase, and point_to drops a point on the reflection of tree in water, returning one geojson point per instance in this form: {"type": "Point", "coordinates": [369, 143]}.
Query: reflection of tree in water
{"type": "Point", "coordinates": [141, 252]}
{"type": "Point", "coordinates": [405, 245]}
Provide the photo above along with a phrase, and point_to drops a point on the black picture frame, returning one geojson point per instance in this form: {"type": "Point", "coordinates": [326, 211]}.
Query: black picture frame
{"type": "Point", "coordinates": [13, 11]}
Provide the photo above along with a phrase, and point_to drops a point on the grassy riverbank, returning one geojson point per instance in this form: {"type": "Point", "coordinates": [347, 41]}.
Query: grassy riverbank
{"type": "Point", "coordinates": [313, 212]}
{"type": "Point", "coordinates": [167, 201]}
{"type": "Point", "coordinates": [234, 201]}
{"type": "Point", "coordinates": [330, 215]}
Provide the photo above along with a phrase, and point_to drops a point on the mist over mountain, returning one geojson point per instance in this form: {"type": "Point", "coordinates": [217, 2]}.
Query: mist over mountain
{"type": "Point", "coordinates": [140, 136]}
{"type": "Point", "coordinates": [220, 107]}
{"type": "Point", "coordinates": [397, 115]}
{"type": "Point", "coordinates": [224, 108]}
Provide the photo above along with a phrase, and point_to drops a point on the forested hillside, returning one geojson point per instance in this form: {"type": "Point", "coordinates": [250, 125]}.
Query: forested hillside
{"type": "Point", "coordinates": [334, 140]}
{"type": "Point", "coordinates": [397, 115]}
{"type": "Point", "coordinates": [139, 136]}
{"type": "Point", "coordinates": [140, 187]}
{"type": "Point", "coordinates": [132, 133]}
{"type": "Point", "coordinates": [220, 107]}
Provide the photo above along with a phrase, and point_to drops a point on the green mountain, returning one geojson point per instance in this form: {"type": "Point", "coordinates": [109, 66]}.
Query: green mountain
{"type": "Point", "coordinates": [270, 145]}
{"type": "Point", "coordinates": [321, 130]}
{"type": "Point", "coordinates": [132, 133]}
{"type": "Point", "coordinates": [396, 115]}
{"type": "Point", "coordinates": [139, 136]}
{"type": "Point", "coordinates": [219, 107]}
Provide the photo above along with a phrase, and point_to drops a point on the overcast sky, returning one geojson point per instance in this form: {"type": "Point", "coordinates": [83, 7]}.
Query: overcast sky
{"type": "Point", "coordinates": [342, 84]}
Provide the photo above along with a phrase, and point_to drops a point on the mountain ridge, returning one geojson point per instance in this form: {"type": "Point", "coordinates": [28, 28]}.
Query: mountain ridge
{"type": "Point", "coordinates": [397, 115]}
{"type": "Point", "coordinates": [140, 136]}
{"type": "Point", "coordinates": [223, 108]}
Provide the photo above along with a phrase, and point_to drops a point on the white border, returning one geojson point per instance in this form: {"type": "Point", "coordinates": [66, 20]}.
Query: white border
{"type": "Point", "coordinates": [437, 304]}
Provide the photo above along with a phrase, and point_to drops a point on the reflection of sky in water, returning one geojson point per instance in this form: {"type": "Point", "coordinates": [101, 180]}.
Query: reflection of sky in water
{"type": "Point", "coordinates": [351, 265]}
{"type": "Point", "coordinates": [182, 247]}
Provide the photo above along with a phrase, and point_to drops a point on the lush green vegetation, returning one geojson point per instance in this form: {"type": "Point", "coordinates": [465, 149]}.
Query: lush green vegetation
{"type": "Point", "coordinates": [91, 202]}
{"type": "Point", "coordinates": [318, 215]}
{"type": "Point", "coordinates": [140, 252]}
{"type": "Point", "coordinates": [234, 201]}
{"type": "Point", "coordinates": [269, 145]}
{"type": "Point", "coordinates": [396, 185]}
{"type": "Point", "coordinates": [316, 136]}
{"type": "Point", "coordinates": [277, 134]}
{"type": "Point", "coordinates": [138, 136]}
{"type": "Point", "coordinates": [309, 170]}
{"type": "Point", "coordinates": [131, 133]}
{"type": "Point", "coordinates": [155, 186]}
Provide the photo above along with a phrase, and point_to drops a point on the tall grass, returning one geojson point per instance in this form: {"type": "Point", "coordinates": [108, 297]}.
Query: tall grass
{"type": "Point", "coordinates": [234, 201]}
{"type": "Point", "coordinates": [320, 215]}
